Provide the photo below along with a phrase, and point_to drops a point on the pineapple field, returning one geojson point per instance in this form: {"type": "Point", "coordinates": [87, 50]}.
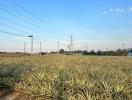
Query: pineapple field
{"type": "Point", "coordinates": [65, 77]}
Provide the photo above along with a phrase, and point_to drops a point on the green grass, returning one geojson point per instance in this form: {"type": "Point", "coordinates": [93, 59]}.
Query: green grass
{"type": "Point", "coordinates": [69, 77]}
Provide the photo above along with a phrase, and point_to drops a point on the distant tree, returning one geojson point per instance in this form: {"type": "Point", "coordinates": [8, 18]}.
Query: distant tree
{"type": "Point", "coordinates": [62, 51]}
{"type": "Point", "coordinates": [79, 51]}
{"type": "Point", "coordinates": [43, 53]}
{"type": "Point", "coordinates": [99, 53]}
{"type": "Point", "coordinates": [125, 52]}
{"type": "Point", "coordinates": [53, 52]}
{"type": "Point", "coordinates": [112, 53]}
{"type": "Point", "coordinates": [119, 52]}
{"type": "Point", "coordinates": [92, 52]}
{"type": "Point", "coordinates": [85, 52]}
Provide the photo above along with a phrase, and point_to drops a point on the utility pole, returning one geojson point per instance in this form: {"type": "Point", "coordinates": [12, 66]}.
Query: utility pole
{"type": "Point", "coordinates": [71, 42]}
{"type": "Point", "coordinates": [123, 48]}
{"type": "Point", "coordinates": [86, 46]}
{"type": "Point", "coordinates": [31, 36]}
{"type": "Point", "coordinates": [24, 47]}
{"type": "Point", "coordinates": [58, 43]}
{"type": "Point", "coordinates": [123, 45]}
{"type": "Point", "coordinates": [40, 48]}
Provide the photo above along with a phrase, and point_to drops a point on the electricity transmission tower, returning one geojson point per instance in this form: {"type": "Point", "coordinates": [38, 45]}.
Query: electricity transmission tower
{"type": "Point", "coordinates": [70, 46]}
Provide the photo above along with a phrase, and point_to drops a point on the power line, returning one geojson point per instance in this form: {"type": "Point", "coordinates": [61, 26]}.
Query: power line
{"type": "Point", "coordinates": [16, 16]}
{"type": "Point", "coordinates": [24, 17]}
{"type": "Point", "coordinates": [7, 11]}
{"type": "Point", "coordinates": [12, 10]}
{"type": "Point", "coordinates": [34, 15]}
{"type": "Point", "coordinates": [15, 23]}
{"type": "Point", "coordinates": [13, 28]}
{"type": "Point", "coordinates": [5, 32]}
{"type": "Point", "coordinates": [9, 40]}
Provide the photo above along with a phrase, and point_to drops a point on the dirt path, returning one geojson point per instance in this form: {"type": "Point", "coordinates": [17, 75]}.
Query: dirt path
{"type": "Point", "coordinates": [12, 95]}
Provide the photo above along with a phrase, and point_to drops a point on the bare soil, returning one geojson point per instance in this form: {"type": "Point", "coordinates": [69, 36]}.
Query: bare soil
{"type": "Point", "coordinates": [13, 95]}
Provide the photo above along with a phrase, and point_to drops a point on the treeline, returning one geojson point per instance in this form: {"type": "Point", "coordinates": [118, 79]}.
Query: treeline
{"type": "Point", "coordinates": [118, 52]}
{"type": "Point", "coordinates": [13, 54]}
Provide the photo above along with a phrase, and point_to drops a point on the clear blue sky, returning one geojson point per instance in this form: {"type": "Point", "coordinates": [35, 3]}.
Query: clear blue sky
{"type": "Point", "coordinates": [95, 24]}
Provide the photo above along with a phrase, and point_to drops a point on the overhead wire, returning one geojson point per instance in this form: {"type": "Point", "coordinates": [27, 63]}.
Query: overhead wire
{"type": "Point", "coordinates": [20, 25]}
{"type": "Point", "coordinates": [10, 33]}
{"type": "Point", "coordinates": [16, 29]}
{"type": "Point", "coordinates": [31, 13]}
{"type": "Point", "coordinates": [25, 18]}
{"type": "Point", "coordinates": [7, 11]}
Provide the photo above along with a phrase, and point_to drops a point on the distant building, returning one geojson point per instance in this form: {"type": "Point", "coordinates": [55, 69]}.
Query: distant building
{"type": "Point", "coordinates": [130, 52]}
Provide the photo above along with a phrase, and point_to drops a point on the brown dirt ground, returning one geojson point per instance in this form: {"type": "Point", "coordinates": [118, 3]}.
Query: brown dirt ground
{"type": "Point", "coordinates": [13, 95]}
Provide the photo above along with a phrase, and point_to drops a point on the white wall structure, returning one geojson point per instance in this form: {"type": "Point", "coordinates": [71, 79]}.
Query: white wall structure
{"type": "Point", "coordinates": [130, 52]}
